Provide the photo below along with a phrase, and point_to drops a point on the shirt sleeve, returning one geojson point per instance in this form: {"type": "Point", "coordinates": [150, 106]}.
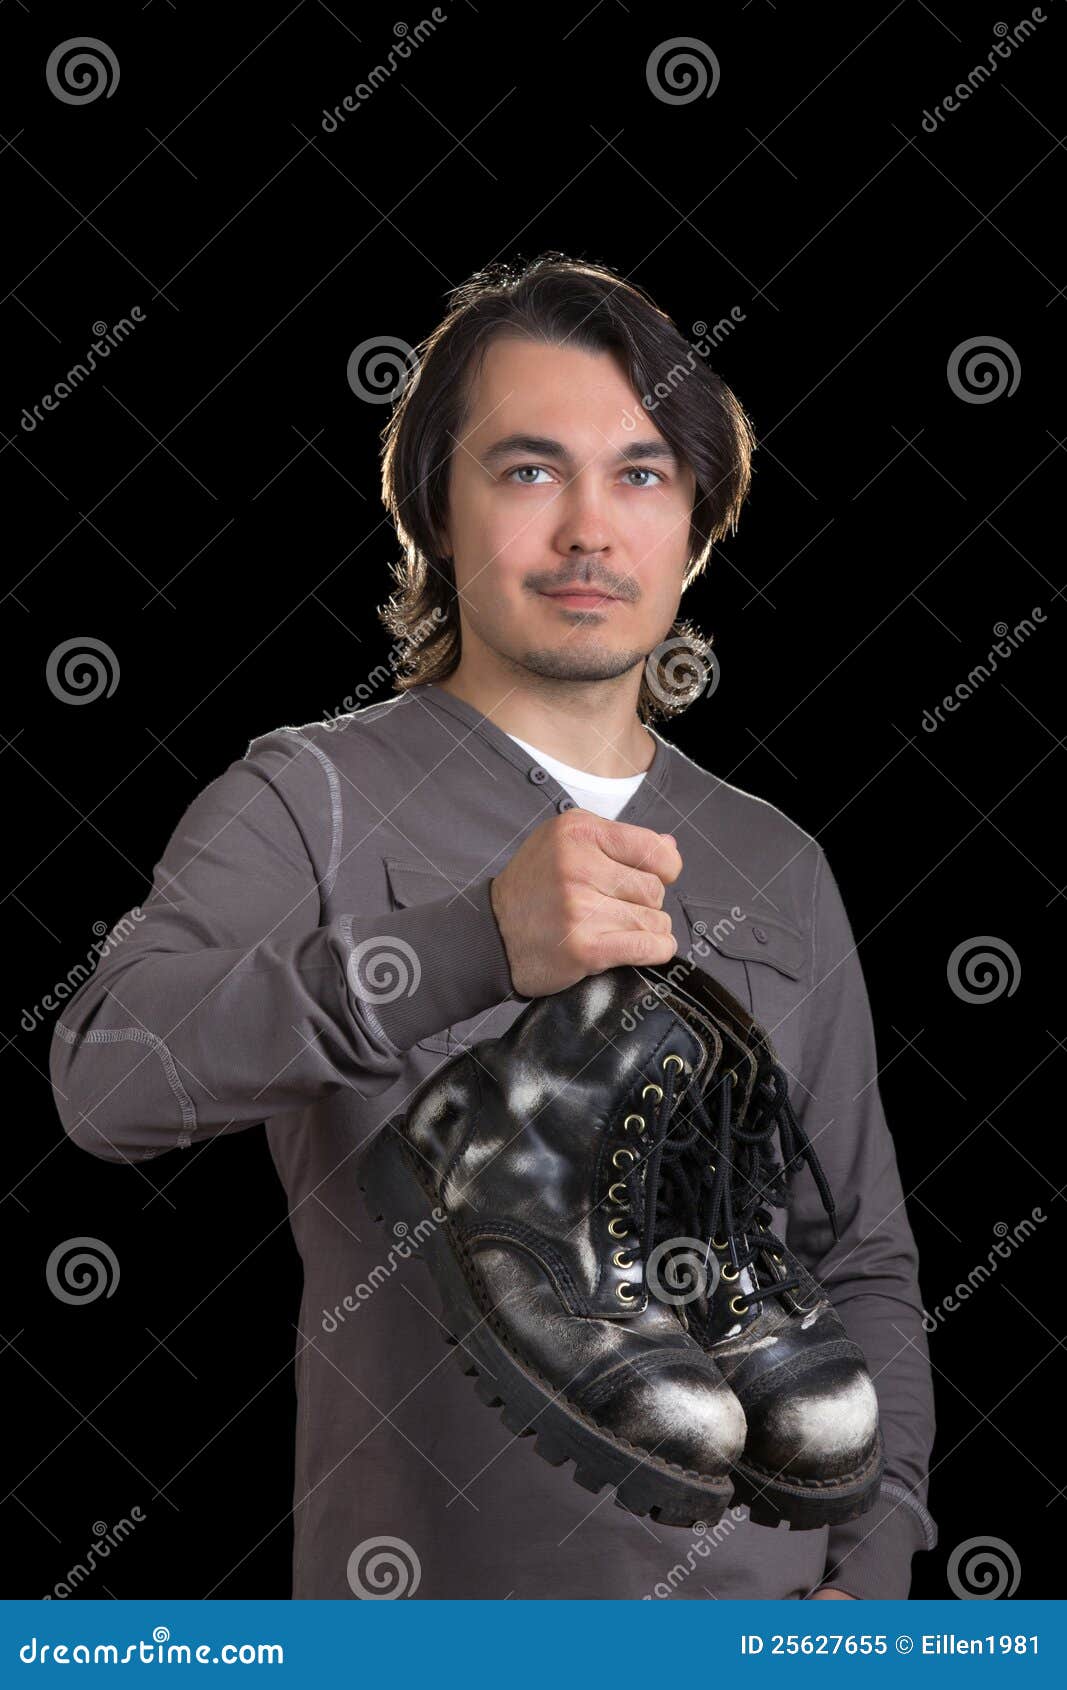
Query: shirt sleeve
{"type": "Point", "coordinates": [871, 1274]}
{"type": "Point", "coordinates": [226, 999]}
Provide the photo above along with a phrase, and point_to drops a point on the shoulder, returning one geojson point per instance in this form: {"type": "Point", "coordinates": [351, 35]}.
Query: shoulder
{"type": "Point", "coordinates": [739, 848]}
{"type": "Point", "coordinates": [371, 725]}
{"type": "Point", "coordinates": [367, 758]}
{"type": "Point", "coordinates": [737, 810]}
{"type": "Point", "coordinates": [367, 744]}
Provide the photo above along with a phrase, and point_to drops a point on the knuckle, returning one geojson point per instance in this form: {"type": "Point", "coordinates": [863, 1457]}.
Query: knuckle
{"type": "Point", "coordinates": [572, 905]}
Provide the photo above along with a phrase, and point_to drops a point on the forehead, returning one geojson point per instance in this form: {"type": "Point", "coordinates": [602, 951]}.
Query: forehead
{"type": "Point", "coordinates": [530, 385]}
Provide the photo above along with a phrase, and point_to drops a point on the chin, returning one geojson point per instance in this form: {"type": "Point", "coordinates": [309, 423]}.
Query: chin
{"type": "Point", "coordinates": [563, 664]}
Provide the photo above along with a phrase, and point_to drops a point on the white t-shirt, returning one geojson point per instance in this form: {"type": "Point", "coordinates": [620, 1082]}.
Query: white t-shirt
{"type": "Point", "coordinates": [603, 794]}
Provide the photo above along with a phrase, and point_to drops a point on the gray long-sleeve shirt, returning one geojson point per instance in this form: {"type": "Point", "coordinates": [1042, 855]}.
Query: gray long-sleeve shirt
{"type": "Point", "coordinates": [230, 1003]}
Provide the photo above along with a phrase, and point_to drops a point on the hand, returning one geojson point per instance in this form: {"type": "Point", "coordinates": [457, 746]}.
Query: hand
{"type": "Point", "coordinates": [583, 894]}
{"type": "Point", "coordinates": [828, 1594]}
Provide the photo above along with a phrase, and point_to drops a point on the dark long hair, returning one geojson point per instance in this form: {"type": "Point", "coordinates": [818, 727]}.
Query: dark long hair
{"type": "Point", "coordinates": [556, 300]}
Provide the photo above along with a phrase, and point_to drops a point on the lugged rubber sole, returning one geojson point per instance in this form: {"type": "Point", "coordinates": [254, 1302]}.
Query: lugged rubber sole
{"type": "Point", "coordinates": [529, 1404]}
{"type": "Point", "coordinates": [770, 1499]}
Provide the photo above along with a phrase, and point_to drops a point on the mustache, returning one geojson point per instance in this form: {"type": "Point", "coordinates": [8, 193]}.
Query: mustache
{"type": "Point", "coordinates": [590, 577]}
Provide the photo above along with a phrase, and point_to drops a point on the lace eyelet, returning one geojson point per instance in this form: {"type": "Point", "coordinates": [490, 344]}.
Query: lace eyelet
{"type": "Point", "coordinates": [711, 1167]}
{"type": "Point", "coordinates": [618, 1227]}
{"type": "Point", "coordinates": [729, 1273]}
{"type": "Point", "coordinates": [738, 1305]}
{"type": "Point", "coordinates": [640, 1120]}
{"type": "Point", "coordinates": [656, 1092]}
{"type": "Point", "coordinates": [677, 1061]}
{"type": "Point", "coordinates": [720, 1244]}
{"type": "Point", "coordinates": [628, 1154]}
{"type": "Point", "coordinates": [622, 1202]}
{"type": "Point", "coordinates": [626, 1292]}
{"type": "Point", "coordinates": [622, 1260]}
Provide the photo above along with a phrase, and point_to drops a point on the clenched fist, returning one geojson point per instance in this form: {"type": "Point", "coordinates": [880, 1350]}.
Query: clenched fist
{"type": "Point", "coordinates": [583, 894]}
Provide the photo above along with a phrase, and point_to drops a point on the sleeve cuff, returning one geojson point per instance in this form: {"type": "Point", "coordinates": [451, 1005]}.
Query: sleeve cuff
{"type": "Point", "coordinates": [453, 965]}
{"type": "Point", "coordinates": [870, 1558]}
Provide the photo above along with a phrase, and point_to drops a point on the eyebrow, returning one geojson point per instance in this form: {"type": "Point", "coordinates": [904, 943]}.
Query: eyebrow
{"type": "Point", "coordinates": [541, 446]}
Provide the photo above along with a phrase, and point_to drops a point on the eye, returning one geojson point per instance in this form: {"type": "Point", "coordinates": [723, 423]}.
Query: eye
{"type": "Point", "coordinates": [538, 469]}
{"type": "Point", "coordinates": [522, 469]}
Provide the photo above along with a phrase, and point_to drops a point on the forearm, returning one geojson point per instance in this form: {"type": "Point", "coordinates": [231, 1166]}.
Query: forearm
{"type": "Point", "coordinates": [166, 1049]}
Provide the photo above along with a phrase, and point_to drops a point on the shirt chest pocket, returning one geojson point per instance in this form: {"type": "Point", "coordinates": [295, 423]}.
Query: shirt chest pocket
{"type": "Point", "coordinates": [423, 883]}
{"type": "Point", "coordinates": [761, 959]}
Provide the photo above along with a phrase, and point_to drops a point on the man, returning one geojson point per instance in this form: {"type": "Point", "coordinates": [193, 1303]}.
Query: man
{"type": "Point", "coordinates": [353, 901]}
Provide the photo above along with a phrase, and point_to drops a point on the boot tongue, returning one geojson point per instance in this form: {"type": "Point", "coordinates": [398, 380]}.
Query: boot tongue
{"type": "Point", "coordinates": [696, 1018]}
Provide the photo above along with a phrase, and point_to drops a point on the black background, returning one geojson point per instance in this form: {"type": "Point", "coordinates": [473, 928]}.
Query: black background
{"type": "Point", "coordinates": [206, 504]}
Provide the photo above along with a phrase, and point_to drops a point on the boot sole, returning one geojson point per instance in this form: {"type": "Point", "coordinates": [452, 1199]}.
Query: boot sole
{"type": "Point", "coordinates": [529, 1404]}
{"type": "Point", "coordinates": [771, 1499]}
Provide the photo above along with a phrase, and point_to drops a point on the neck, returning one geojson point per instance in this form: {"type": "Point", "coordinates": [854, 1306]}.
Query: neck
{"type": "Point", "coordinates": [592, 725]}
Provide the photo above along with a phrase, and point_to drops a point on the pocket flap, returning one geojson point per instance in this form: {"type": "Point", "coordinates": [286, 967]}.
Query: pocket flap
{"type": "Point", "coordinates": [748, 934]}
{"type": "Point", "coordinates": [424, 883]}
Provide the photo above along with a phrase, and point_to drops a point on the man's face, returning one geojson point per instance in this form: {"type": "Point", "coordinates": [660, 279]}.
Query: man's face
{"type": "Point", "coordinates": [560, 479]}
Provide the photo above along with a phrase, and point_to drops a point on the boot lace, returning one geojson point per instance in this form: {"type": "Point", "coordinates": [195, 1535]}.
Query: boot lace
{"type": "Point", "coordinates": [713, 1176]}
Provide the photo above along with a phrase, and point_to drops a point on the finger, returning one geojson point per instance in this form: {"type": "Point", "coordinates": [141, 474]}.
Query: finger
{"type": "Point", "coordinates": [618, 882]}
{"type": "Point", "coordinates": [616, 915]}
{"type": "Point", "coordinates": [640, 848]}
{"type": "Point", "coordinates": [620, 950]}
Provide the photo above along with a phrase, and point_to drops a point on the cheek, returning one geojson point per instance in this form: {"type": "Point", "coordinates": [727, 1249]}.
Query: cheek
{"type": "Point", "coordinates": [658, 533]}
{"type": "Point", "coordinates": [501, 535]}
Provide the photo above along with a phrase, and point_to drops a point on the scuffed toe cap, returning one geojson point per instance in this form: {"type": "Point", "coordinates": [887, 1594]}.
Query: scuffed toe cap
{"type": "Point", "coordinates": [822, 1426]}
{"type": "Point", "coordinates": [679, 1413]}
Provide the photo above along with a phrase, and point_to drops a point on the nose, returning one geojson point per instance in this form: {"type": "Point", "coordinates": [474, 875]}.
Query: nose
{"type": "Point", "coordinates": [582, 524]}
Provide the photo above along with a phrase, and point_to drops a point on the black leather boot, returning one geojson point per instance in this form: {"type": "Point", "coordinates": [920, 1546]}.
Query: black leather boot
{"type": "Point", "coordinates": [526, 1169]}
{"type": "Point", "coordinates": [813, 1453]}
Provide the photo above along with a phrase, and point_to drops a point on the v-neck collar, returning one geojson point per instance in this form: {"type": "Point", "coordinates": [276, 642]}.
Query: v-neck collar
{"type": "Point", "coordinates": [653, 787]}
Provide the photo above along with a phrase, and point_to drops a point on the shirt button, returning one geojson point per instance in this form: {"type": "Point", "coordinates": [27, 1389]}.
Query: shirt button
{"type": "Point", "coordinates": [538, 776]}
{"type": "Point", "coordinates": [566, 804]}
{"type": "Point", "coordinates": [759, 935]}
{"type": "Point", "coordinates": [700, 927]}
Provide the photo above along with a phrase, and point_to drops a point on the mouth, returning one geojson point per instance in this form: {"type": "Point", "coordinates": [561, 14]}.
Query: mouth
{"type": "Point", "coordinates": [580, 598]}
